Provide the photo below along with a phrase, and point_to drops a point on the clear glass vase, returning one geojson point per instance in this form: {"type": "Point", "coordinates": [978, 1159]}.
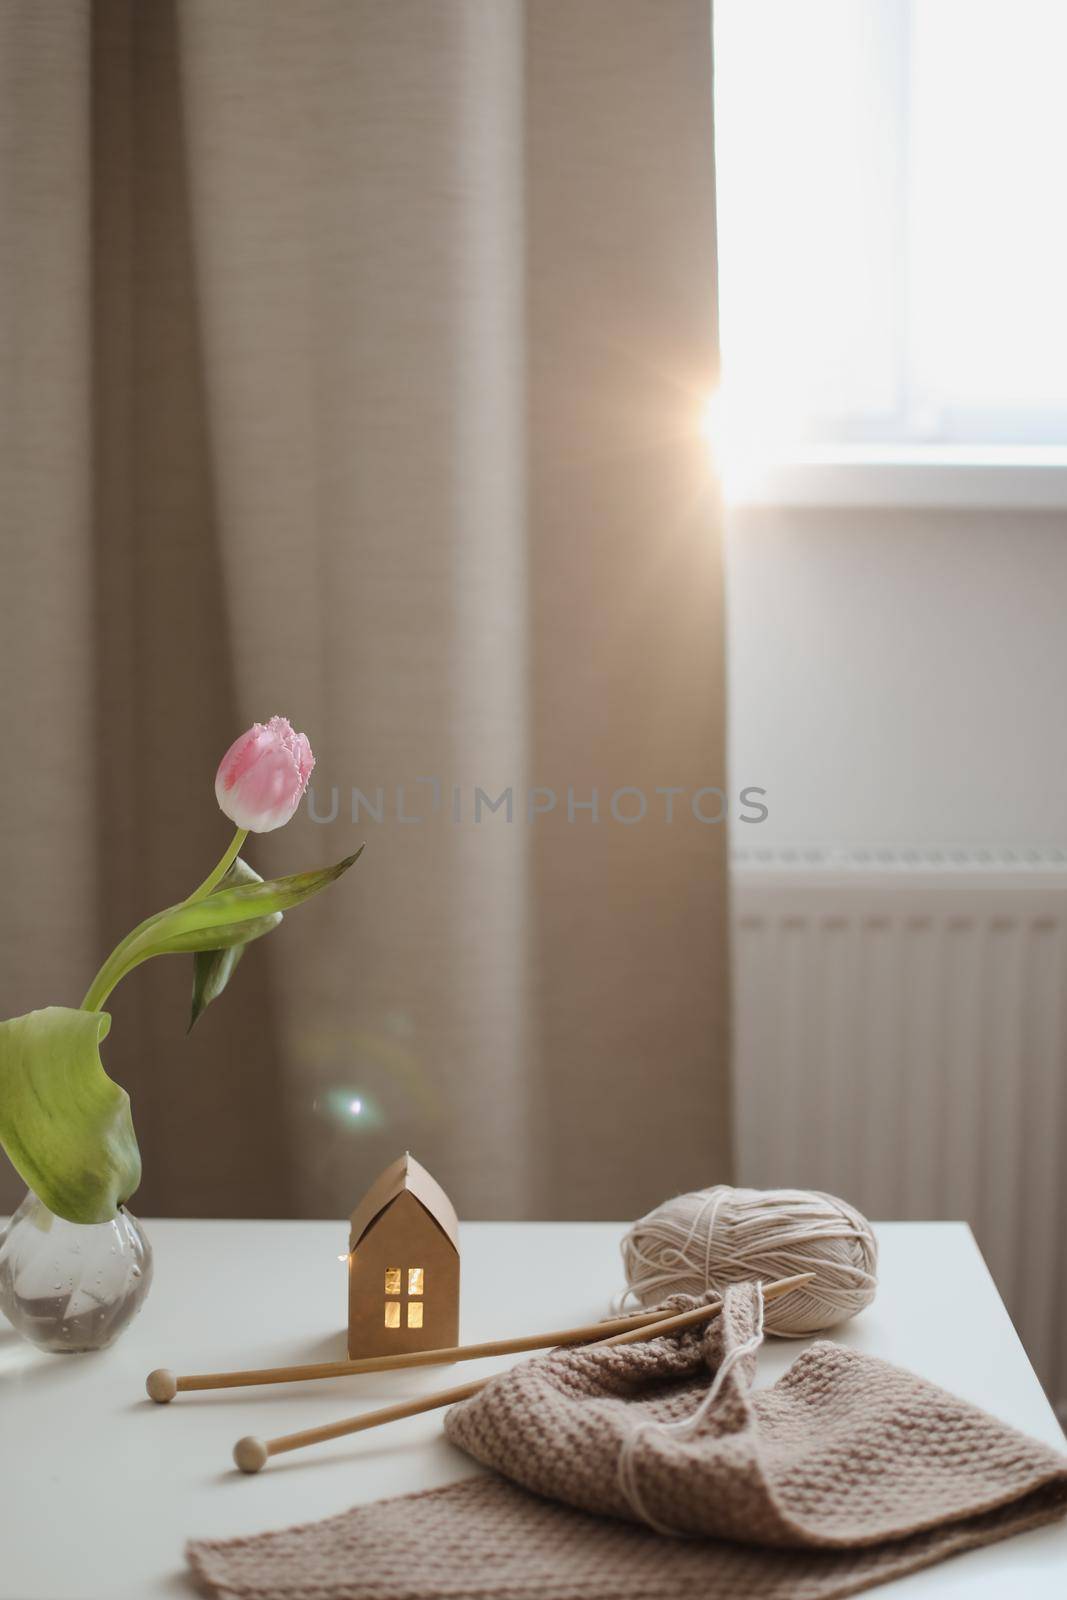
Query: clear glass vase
{"type": "Point", "coordinates": [69, 1286]}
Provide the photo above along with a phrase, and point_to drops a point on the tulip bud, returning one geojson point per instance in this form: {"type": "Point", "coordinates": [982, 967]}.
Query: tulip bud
{"type": "Point", "coordinates": [263, 775]}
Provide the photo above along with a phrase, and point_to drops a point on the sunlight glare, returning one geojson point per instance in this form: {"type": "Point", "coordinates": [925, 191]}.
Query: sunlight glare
{"type": "Point", "coordinates": [744, 442]}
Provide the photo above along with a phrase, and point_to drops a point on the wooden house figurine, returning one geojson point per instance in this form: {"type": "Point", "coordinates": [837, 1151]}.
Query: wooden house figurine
{"type": "Point", "coordinates": [403, 1265]}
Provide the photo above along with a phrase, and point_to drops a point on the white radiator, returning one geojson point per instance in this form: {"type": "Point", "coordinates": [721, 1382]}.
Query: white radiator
{"type": "Point", "coordinates": [901, 1039]}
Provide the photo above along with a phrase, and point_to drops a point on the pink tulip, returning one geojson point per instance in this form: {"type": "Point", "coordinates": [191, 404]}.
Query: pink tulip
{"type": "Point", "coordinates": [263, 775]}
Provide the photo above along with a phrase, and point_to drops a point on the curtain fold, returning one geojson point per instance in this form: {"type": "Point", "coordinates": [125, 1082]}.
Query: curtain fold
{"type": "Point", "coordinates": [361, 351]}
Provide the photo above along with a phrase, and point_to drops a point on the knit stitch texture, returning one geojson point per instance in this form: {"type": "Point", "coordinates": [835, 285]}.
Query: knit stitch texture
{"type": "Point", "coordinates": [844, 1474]}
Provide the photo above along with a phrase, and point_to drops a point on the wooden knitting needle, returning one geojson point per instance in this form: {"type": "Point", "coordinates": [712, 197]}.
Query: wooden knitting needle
{"type": "Point", "coordinates": [162, 1385]}
{"type": "Point", "coordinates": [251, 1454]}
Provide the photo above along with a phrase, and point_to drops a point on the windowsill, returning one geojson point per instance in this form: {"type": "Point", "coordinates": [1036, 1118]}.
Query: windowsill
{"type": "Point", "coordinates": [985, 477]}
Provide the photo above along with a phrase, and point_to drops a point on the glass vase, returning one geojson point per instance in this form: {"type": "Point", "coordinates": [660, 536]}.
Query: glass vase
{"type": "Point", "coordinates": [70, 1286]}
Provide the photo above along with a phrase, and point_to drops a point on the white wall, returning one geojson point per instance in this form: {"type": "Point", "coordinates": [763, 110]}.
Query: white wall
{"type": "Point", "coordinates": [899, 676]}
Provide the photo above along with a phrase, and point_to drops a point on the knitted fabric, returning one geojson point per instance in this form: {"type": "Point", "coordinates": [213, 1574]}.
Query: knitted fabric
{"type": "Point", "coordinates": [844, 1474]}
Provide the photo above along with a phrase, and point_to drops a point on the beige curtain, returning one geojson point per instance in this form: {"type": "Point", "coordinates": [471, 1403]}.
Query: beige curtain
{"type": "Point", "coordinates": [353, 364]}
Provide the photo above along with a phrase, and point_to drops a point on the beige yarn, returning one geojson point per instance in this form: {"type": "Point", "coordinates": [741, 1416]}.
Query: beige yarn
{"type": "Point", "coordinates": [735, 1353]}
{"type": "Point", "coordinates": [714, 1237]}
{"type": "Point", "coordinates": [844, 1474]}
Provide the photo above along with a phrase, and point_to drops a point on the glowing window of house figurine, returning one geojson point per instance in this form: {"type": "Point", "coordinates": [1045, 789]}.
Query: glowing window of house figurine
{"type": "Point", "coordinates": [394, 1277]}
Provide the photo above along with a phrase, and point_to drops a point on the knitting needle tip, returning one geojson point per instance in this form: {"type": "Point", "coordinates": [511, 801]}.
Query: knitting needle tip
{"type": "Point", "coordinates": [250, 1454]}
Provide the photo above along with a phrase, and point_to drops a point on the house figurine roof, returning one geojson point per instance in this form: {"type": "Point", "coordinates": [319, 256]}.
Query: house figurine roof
{"type": "Point", "coordinates": [405, 1175]}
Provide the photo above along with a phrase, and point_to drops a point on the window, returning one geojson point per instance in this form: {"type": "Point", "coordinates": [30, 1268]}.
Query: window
{"type": "Point", "coordinates": [892, 236]}
{"type": "Point", "coordinates": [412, 1303]}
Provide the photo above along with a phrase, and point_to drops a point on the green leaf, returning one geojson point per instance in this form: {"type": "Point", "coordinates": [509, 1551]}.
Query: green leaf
{"type": "Point", "coordinates": [232, 933]}
{"type": "Point", "coordinates": [202, 918]}
{"type": "Point", "coordinates": [63, 1122]}
{"type": "Point", "coordinates": [213, 923]}
{"type": "Point", "coordinates": [213, 969]}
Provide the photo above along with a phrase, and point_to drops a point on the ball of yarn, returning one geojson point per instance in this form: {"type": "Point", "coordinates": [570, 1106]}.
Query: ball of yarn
{"type": "Point", "coordinates": [714, 1237]}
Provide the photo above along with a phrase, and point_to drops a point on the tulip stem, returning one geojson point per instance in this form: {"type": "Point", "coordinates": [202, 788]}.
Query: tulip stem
{"type": "Point", "coordinates": [218, 873]}
{"type": "Point", "coordinates": [116, 967]}
{"type": "Point", "coordinates": [113, 968]}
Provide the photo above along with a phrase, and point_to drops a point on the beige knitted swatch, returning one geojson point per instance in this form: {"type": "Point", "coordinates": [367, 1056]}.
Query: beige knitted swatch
{"type": "Point", "coordinates": [846, 1473]}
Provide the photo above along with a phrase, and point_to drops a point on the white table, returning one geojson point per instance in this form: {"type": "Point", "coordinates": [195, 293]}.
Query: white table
{"type": "Point", "coordinates": [99, 1488]}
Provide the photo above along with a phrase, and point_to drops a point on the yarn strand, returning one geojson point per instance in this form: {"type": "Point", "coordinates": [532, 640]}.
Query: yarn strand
{"type": "Point", "coordinates": [682, 1427]}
